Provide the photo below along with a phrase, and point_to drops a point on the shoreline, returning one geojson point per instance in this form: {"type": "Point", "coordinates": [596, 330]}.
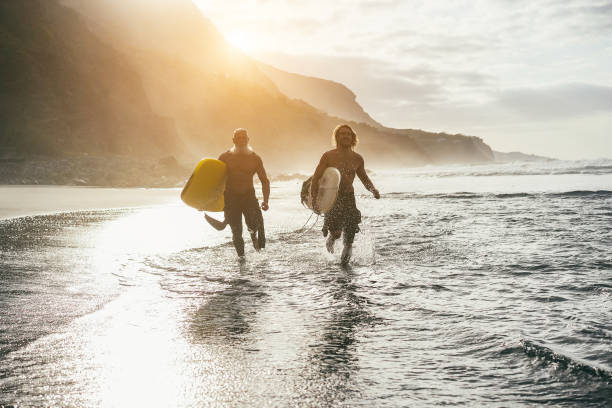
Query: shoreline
{"type": "Point", "coordinates": [93, 170]}
{"type": "Point", "coordinates": [104, 171]}
{"type": "Point", "coordinates": [18, 201]}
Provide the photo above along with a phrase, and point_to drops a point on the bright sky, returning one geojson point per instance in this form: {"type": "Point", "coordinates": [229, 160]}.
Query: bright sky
{"type": "Point", "coordinates": [527, 75]}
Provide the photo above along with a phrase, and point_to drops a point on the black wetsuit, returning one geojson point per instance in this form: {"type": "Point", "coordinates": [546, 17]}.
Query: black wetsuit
{"type": "Point", "coordinates": [237, 204]}
{"type": "Point", "coordinates": [241, 200]}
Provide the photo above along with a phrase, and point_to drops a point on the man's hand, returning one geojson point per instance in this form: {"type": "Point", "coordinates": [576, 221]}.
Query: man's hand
{"type": "Point", "coordinates": [376, 193]}
{"type": "Point", "coordinates": [264, 206]}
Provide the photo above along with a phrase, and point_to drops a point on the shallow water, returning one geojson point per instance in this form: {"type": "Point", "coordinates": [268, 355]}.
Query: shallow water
{"type": "Point", "coordinates": [476, 285]}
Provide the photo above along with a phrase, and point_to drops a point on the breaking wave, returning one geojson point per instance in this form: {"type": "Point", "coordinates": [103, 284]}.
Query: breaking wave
{"type": "Point", "coordinates": [473, 195]}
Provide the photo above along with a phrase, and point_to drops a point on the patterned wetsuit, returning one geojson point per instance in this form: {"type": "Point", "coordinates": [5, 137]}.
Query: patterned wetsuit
{"type": "Point", "coordinates": [344, 216]}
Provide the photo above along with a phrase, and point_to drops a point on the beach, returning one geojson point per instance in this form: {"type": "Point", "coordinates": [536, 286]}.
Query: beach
{"type": "Point", "coordinates": [21, 201]}
{"type": "Point", "coordinates": [484, 285]}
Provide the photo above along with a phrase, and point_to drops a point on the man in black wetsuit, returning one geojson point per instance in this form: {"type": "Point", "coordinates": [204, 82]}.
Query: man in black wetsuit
{"type": "Point", "coordinates": [344, 217]}
{"type": "Point", "coordinates": [242, 163]}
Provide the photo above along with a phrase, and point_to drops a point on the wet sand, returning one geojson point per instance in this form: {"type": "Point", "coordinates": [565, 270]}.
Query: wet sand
{"type": "Point", "coordinates": [21, 201]}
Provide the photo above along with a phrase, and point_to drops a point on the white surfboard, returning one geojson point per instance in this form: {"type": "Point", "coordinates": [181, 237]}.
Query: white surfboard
{"type": "Point", "coordinates": [328, 190]}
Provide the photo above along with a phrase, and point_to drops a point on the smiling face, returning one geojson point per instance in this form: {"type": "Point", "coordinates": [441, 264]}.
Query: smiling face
{"type": "Point", "coordinates": [344, 137]}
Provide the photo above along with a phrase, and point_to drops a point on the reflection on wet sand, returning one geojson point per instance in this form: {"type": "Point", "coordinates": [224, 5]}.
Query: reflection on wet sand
{"type": "Point", "coordinates": [334, 360]}
{"type": "Point", "coordinates": [227, 317]}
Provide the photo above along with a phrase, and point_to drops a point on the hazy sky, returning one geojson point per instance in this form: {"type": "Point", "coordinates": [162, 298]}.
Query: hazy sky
{"type": "Point", "coordinates": [534, 76]}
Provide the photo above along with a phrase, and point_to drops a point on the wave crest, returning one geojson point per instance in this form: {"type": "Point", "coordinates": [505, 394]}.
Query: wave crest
{"type": "Point", "coordinates": [548, 356]}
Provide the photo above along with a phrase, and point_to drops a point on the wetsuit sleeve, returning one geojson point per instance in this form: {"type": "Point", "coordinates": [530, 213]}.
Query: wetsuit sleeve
{"type": "Point", "coordinates": [263, 177]}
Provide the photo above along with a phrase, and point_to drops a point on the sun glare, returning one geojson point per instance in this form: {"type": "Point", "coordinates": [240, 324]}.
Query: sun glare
{"type": "Point", "coordinates": [242, 40]}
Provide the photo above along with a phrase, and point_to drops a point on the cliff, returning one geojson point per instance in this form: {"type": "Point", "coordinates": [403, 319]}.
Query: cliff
{"type": "Point", "coordinates": [144, 80]}
{"type": "Point", "coordinates": [209, 88]}
{"type": "Point", "coordinates": [64, 90]}
{"type": "Point", "coordinates": [328, 96]}
{"type": "Point", "coordinates": [443, 148]}
{"type": "Point", "coordinates": [518, 157]}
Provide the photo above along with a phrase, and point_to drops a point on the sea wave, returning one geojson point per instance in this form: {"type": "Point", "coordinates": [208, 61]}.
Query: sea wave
{"type": "Point", "coordinates": [547, 356]}
{"type": "Point", "coordinates": [555, 167]}
{"type": "Point", "coordinates": [473, 195]}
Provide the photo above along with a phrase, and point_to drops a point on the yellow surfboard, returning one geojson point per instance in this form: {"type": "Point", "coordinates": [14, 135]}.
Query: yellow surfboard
{"type": "Point", "coordinates": [204, 189]}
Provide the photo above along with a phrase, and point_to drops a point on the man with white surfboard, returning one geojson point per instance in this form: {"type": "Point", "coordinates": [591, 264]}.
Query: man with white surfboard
{"type": "Point", "coordinates": [242, 164]}
{"type": "Point", "coordinates": [343, 217]}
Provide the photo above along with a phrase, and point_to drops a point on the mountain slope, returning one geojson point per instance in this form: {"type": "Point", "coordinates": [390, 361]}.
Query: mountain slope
{"type": "Point", "coordinates": [510, 157]}
{"type": "Point", "coordinates": [172, 29]}
{"type": "Point", "coordinates": [443, 148]}
{"type": "Point", "coordinates": [155, 78]}
{"type": "Point", "coordinates": [209, 88]}
{"type": "Point", "coordinates": [328, 96]}
{"type": "Point", "coordinates": [66, 91]}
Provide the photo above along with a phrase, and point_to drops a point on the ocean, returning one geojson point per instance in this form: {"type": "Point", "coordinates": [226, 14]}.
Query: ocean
{"type": "Point", "coordinates": [483, 285]}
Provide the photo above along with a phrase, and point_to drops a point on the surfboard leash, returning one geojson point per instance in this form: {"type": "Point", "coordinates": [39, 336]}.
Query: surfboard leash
{"type": "Point", "coordinates": [302, 231]}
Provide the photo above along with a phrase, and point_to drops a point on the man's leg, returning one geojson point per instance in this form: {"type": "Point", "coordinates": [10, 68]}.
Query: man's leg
{"type": "Point", "coordinates": [233, 216]}
{"type": "Point", "coordinates": [255, 223]}
{"type": "Point", "coordinates": [261, 236]}
{"type": "Point", "coordinates": [331, 239]}
{"type": "Point", "coordinates": [332, 228]}
{"type": "Point", "coordinates": [347, 250]}
{"type": "Point", "coordinates": [237, 237]}
{"type": "Point", "coordinates": [350, 228]}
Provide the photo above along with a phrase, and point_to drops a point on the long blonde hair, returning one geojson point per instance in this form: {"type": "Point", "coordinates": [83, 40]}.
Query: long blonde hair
{"type": "Point", "coordinates": [335, 135]}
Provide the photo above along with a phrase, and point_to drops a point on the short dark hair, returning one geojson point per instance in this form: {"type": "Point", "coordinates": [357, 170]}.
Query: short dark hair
{"type": "Point", "coordinates": [240, 131]}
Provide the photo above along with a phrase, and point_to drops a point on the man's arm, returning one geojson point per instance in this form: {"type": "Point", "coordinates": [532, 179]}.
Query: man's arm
{"type": "Point", "coordinates": [265, 184]}
{"type": "Point", "coordinates": [314, 187]}
{"type": "Point", "coordinates": [363, 176]}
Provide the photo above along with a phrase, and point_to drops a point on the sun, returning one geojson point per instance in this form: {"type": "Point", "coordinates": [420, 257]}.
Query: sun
{"type": "Point", "coordinates": [243, 40]}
